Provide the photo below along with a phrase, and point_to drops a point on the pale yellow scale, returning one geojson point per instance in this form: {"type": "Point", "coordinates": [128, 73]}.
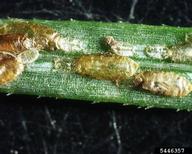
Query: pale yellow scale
{"type": "Point", "coordinates": [105, 67]}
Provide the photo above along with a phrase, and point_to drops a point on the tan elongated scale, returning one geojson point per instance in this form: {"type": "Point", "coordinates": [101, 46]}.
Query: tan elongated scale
{"type": "Point", "coordinates": [117, 47]}
{"type": "Point", "coordinates": [180, 53]}
{"type": "Point", "coordinates": [111, 44]}
{"type": "Point", "coordinates": [10, 68]}
{"type": "Point", "coordinates": [19, 46]}
{"type": "Point", "coordinates": [163, 83]}
{"type": "Point", "coordinates": [15, 43]}
{"type": "Point", "coordinates": [106, 67]}
{"type": "Point", "coordinates": [41, 36]}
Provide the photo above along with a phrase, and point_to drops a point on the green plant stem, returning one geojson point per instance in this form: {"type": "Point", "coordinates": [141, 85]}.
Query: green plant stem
{"type": "Point", "coordinates": [42, 79]}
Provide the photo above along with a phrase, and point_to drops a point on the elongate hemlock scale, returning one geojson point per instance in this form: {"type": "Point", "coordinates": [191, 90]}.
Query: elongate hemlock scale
{"type": "Point", "coordinates": [41, 36]}
{"type": "Point", "coordinates": [136, 41]}
{"type": "Point", "coordinates": [23, 40]}
{"type": "Point", "coordinates": [106, 67]}
{"type": "Point", "coordinates": [10, 68]}
{"type": "Point", "coordinates": [117, 47]}
{"type": "Point", "coordinates": [180, 53]}
{"type": "Point", "coordinates": [15, 43]}
{"type": "Point", "coordinates": [164, 83]}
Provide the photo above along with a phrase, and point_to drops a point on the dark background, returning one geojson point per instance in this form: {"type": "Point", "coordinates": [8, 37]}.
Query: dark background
{"type": "Point", "coordinates": [31, 125]}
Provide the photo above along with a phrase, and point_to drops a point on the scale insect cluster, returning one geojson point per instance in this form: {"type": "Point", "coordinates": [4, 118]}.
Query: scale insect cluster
{"type": "Point", "coordinates": [41, 36]}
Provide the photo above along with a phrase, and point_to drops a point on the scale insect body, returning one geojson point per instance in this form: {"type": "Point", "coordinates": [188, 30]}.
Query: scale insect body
{"type": "Point", "coordinates": [180, 53]}
{"type": "Point", "coordinates": [23, 40]}
{"type": "Point", "coordinates": [164, 83]}
{"type": "Point", "coordinates": [156, 51]}
{"type": "Point", "coordinates": [10, 68]}
{"type": "Point", "coordinates": [42, 36]}
{"type": "Point", "coordinates": [20, 43]}
{"type": "Point", "coordinates": [15, 43]}
{"type": "Point", "coordinates": [35, 36]}
{"type": "Point", "coordinates": [117, 47]}
{"type": "Point", "coordinates": [106, 67]}
{"type": "Point", "coordinates": [28, 56]}
{"type": "Point", "coordinates": [15, 51]}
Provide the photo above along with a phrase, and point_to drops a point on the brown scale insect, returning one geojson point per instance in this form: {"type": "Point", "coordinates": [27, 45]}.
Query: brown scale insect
{"type": "Point", "coordinates": [107, 67]}
{"type": "Point", "coordinates": [10, 68]}
{"type": "Point", "coordinates": [12, 47]}
{"type": "Point", "coordinates": [23, 27]}
{"type": "Point", "coordinates": [117, 47]}
{"type": "Point", "coordinates": [111, 44]}
{"type": "Point", "coordinates": [20, 43]}
{"type": "Point", "coordinates": [15, 43]}
{"type": "Point", "coordinates": [41, 36]}
{"type": "Point", "coordinates": [164, 83]}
